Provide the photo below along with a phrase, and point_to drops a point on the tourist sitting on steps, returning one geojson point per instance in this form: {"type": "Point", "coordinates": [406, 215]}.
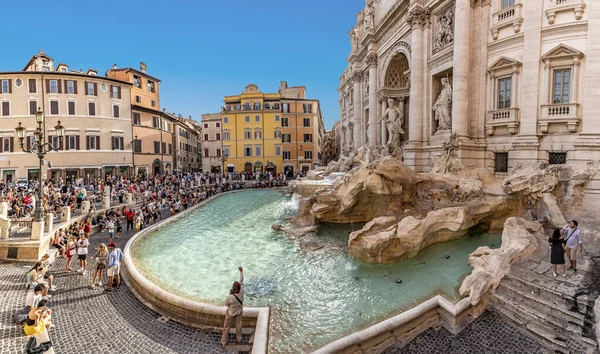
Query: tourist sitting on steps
{"type": "Point", "coordinates": [235, 308]}
{"type": "Point", "coordinates": [38, 319]}
{"type": "Point", "coordinates": [557, 251]}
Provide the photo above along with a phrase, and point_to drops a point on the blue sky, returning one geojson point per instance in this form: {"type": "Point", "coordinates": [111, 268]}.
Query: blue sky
{"type": "Point", "coordinates": [201, 50]}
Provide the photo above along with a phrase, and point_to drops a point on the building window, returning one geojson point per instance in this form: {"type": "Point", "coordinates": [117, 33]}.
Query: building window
{"type": "Point", "coordinates": [507, 3]}
{"type": "Point", "coordinates": [137, 146]}
{"type": "Point", "coordinates": [561, 90]}
{"type": "Point", "coordinates": [287, 155]}
{"type": "Point", "coordinates": [137, 82]}
{"type": "Point", "coordinates": [308, 154]}
{"type": "Point", "coordinates": [56, 143]}
{"type": "Point", "coordinates": [257, 134]}
{"type": "Point", "coordinates": [501, 162]}
{"type": "Point", "coordinates": [247, 119]}
{"type": "Point", "coordinates": [155, 122]}
{"type": "Point", "coordinates": [164, 147]}
{"type": "Point", "coordinates": [32, 107]}
{"type": "Point", "coordinates": [218, 124]}
{"type": "Point", "coordinates": [70, 87]}
{"type": "Point", "coordinates": [226, 151]}
{"type": "Point", "coordinates": [286, 107]}
{"type": "Point", "coordinates": [92, 143]}
{"type": "Point", "coordinates": [276, 105]}
{"type": "Point", "coordinates": [151, 85]}
{"type": "Point", "coordinates": [7, 145]}
{"type": "Point", "coordinates": [52, 89]}
{"type": "Point", "coordinates": [308, 138]}
{"type": "Point", "coordinates": [258, 150]}
{"type": "Point", "coordinates": [218, 136]}
{"type": "Point", "coordinates": [256, 106]}
{"type": "Point", "coordinates": [91, 108]}
{"type": "Point", "coordinates": [138, 99]}
{"type": "Point", "coordinates": [307, 122]}
{"type": "Point", "coordinates": [170, 149]}
{"type": "Point", "coordinates": [277, 134]}
{"type": "Point", "coordinates": [247, 151]}
{"type": "Point", "coordinates": [226, 135]}
{"type": "Point", "coordinates": [267, 105]}
{"type": "Point", "coordinates": [205, 137]}
{"type": "Point", "coordinates": [286, 138]}
{"type": "Point", "coordinates": [90, 89]}
{"type": "Point", "coordinates": [277, 118]}
{"type": "Point", "coordinates": [54, 107]}
{"type": "Point", "coordinates": [237, 107]}
{"type": "Point", "coordinates": [71, 108]}
{"type": "Point", "coordinates": [206, 126]}
{"type": "Point", "coordinates": [206, 153]}
{"type": "Point", "coordinates": [115, 111]}
{"type": "Point", "coordinates": [153, 103]}
{"type": "Point", "coordinates": [32, 86]}
{"type": "Point", "coordinates": [247, 106]}
{"type": "Point", "coordinates": [5, 108]}
{"type": "Point", "coordinates": [136, 118]}
{"type": "Point", "coordinates": [307, 108]}
{"type": "Point", "coordinates": [115, 92]}
{"type": "Point", "coordinates": [72, 141]}
{"type": "Point", "coordinates": [247, 134]}
{"type": "Point", "coordinates": [504, 94]}
{"type": "Point", "coordinates": [557, 158]}
{"type": "Point", "coordinates": [157, 147]}
{"type": "Point", "coordinates": [257, 119]}
{"type": "Point", "coordinates": [277, 150]}
{"type": "Point", "coordinates": [225, 120]}
{"type": "Point", "coordinates": [284, 122]}
{"type": "Point", "coordinates": [218, 152]}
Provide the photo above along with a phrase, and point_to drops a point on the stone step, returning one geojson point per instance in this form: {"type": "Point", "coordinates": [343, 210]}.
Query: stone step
{"type": "Point", "coordinates": [559, 308]}
{"type": "Point", "coordinates": [237, 348]}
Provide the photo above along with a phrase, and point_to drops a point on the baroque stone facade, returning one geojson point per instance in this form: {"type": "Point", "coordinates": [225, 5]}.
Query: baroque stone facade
{"type": "Point", "coordinates": [515, 81]}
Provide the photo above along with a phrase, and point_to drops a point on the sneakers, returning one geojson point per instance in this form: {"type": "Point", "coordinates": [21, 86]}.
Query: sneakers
{"type": "Point", "coordinates": [92, 286]}
{"type": "Point", "coordinates": [555, 275]}
{"type": "Point", "coordinates": [100, 284]}
{"type": "Point", "coordinates": [53, 288]}
{"type": "Point", "coordinates": [79, 270]}
{"type": "Point", "coordinates": [83, 273]}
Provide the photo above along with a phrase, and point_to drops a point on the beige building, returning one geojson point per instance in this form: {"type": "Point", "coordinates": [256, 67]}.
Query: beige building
{"type": "Point", "coordinates": [185, 143]}
{"type": "Point", "coordinates": [152, 128]}
{"type": "Point", "coordinates": [95, 111]}
{"type": "Point", "coordinates": [517, 81]}
{"type": "Point", "coordinates": [212, 143]}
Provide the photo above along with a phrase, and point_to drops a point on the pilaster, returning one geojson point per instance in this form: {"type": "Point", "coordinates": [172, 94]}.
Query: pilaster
{"type": "Point", "coordinates": [372, 128]}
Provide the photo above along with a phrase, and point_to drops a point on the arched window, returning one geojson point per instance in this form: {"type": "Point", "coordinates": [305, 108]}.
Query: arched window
{"type": "Point", "coordinates": [247, 134]}
{"type": "Point", "coordinates": [257, 134]}
{"type": "Point", "coordinates": [277, 134]}
{"type": "Point", "coordinates": [394, 77]}
{"type": "Point", "coordinates": [226, 134]}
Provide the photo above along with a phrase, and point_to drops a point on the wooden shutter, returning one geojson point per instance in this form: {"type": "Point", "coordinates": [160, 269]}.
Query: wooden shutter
{"type": "Point", "coordinates": [58, 85]}
{"type": "Point", "coordinates": [75, 86]}
{"type": "Point", "coordinates": [113, 142]}
{"type": "Point", "coordinates": [119, 91]}
{"type": "Point", "coordinates": [28, 142]}
{"type": "Point", "coordinates": [122, 147]}
{"type": "Point", "coordinates": [95, 89]}
{"type": "Point", "coordinates": [10, 87]}
{"type": "Point", "coordinates": [98, 142]}
{"type": "Point", "coordinates": [87, 145]}
{"type": "Point", "coordinates": [85, 87]}
{"type": "Point", "coordinates": [32, 86]}
{"type": "Point", "coordinates": [66, 86]}
{"type": "Point", "coordinates": [12, 144]}
{"type": "Point", "coordinates": [66, 139]}
{"type": "Point", "coordinates": [111, 91]}
{"type": "Point", "coordinates": [77, 142]}
{"type": "Point", "coordinates": [48, 85]}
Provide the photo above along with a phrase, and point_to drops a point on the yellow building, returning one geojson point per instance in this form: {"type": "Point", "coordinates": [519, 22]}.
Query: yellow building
{"type": "Point", "coordinates": [252, 132]}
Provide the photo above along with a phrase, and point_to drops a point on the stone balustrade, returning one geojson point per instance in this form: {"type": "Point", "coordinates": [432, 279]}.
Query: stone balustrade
{"type": "Point", "coordinates": [556, 6]}
{"type": "Point", "coordinates": [567, 113]}
{"type": "Point", "coordinates": [510, 16]}
{"type": "Point", "coordinates": [507, 117]}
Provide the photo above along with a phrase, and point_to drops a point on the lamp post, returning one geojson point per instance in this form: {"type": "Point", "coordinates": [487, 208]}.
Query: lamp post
{"type": "Point", "coordinates": [40, 148]}
{"type": "Point", "coordinates": [135, 140]}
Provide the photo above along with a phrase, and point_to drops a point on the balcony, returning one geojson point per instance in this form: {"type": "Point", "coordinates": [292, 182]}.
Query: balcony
{"type": "Point", "coordinates": [567, 113]}
{"type": "Point", "coordinates": [556, 6]}
{"type": "Point", "coordinates": [507, 117]}
{"type": "Point", "coordinates": [510, 16]}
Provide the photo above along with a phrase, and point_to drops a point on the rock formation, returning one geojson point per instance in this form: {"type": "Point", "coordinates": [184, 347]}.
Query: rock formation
{"type": "Point", "coordinates": [519, 240]}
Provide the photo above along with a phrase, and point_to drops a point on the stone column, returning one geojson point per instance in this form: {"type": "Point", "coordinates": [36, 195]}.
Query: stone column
{"type": "Point", "coordinates": [37, 230]}
{"type": "Point", "coordinates": [66, 214]}
{"type": "Point", "coordinates": [357, 134]}
{"type": "Point", "coordinates": [383, 125]}
{"type": "Point", "coordinates": [4, 227]}
{"type": "Point", "coordinates": [462, 68]}
{"type": "Point", "coordinates": [48, 222]}
{"type": "Point", "coordinates": [372, 62]}
{"type": "Point", "coordinates": [85, 207]}
{"type": "Point", "coordinates": [416, 19]}
{"type": "Point", "coordinates": [106, 198]}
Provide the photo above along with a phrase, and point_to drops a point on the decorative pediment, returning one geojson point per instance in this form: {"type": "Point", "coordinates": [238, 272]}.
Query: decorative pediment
{"type": "Point", "coordinates": [503, 63]}
{"type": "Point", "coordinates": [562, 51]}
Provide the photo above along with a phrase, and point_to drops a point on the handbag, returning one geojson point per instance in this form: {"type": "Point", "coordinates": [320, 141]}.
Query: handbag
{"type": "Point", "coordinates": [72, 252]}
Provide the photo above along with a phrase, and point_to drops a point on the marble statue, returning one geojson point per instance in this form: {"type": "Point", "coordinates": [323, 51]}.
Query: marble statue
{"type": "Point", "coordinates": [443, 107]}
{"type": "Point", "coordinates": [353, 38]}
{"type": "Point", "coordinates": [444, 30]}
{"type": "Point", "coordinates": [369, 19]}
{"type": "Point", "coordinates": [394, 120]}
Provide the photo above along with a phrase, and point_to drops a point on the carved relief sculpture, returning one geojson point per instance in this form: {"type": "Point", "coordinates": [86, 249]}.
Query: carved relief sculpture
{"type": "Point", "coordinates": [444, 30]}
{"type": "Point", "coordinates": [394, 119]}
{"type": "Point", "coordinates": [369, 15]}
{"type": "Point", "coordinates": [443, 107]}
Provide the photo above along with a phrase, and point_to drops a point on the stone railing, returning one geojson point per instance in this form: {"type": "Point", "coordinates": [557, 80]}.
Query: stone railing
{"type": "Point", "coordinates": [556, 6]}
{"type": "Point", "coordinates": [507, 117]}
{"type": "Point", "coordinates": [567, 113]}
{"type": "Point", "coordinates": [189, 312]}
{"type": "Point", "coordinates": [510, 16]}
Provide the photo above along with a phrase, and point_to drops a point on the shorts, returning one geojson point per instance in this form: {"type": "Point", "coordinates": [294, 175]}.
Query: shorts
{"type": "Point", "coordinates": [47, 275]}
{"type": "Point", "coordinates": [82, 256]}
{"type": "Point", "coordinates": [571, 253]}
{"type": "Point", "coordinates": [119, 229]}
{"type": "Point", "coordinates": [112, 271]}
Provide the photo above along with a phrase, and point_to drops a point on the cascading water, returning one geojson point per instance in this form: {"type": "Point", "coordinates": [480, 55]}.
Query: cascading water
{"type": "Point", "coordinates": [315, 296]}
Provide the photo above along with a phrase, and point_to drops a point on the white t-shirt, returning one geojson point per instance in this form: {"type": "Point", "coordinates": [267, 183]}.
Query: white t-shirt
{"type": "Point", "coordinates": [82, 246]}
{"type": "Point", "coordinates": [110, 226]}
{"type": "Point", "coordinates": [33, 299]}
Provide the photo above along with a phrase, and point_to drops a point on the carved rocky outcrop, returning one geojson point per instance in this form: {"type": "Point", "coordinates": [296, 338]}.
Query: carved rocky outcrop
{"type": "Point", "coordinates": [387, 240]}
{"type": "Point", "coordinates": [519, 240]}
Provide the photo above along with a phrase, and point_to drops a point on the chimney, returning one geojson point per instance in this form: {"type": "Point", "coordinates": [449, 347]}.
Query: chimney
{"type": "Point", "coordinates": [114, 66]}
{"type": "Point", "coordinates": [142, 67]}
{"type": "Point", "coordinates": [283, 85]}
{"type": "Point", "coordinates": [164, 110]}
{"type": "Point", "coordinates": [190, 116]}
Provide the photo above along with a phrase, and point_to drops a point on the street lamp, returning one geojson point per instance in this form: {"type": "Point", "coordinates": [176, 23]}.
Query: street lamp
{"type": "Point", "coordinates": [40, 148]}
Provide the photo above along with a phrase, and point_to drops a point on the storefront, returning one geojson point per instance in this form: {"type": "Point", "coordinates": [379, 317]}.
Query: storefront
{"type": "Point", "coordinates": [258, 167]}
{"type": "Point", "coordinates": [230, 168]}
{"type": "Point", "coordinates": [288, 170]}
{"type": "Point", "coordinates": [8, 176]}
{"type": "Point", "coordinates": [33, 174]}
{"type": "Point", "coordinates": [271, 168]}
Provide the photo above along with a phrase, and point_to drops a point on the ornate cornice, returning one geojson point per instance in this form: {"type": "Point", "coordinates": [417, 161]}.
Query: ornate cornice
{"type": "Point", "coordinates": [513, 41]}
{"type": "Point", "coordinates": [419, 17]}
{"type": "Point", "coordinates": [372, 59]}
{"type": "Point", "coordinates": [357, 76]}
{"type": "Point", "coordinates": [481, 3]}
{"type": "Point", "coordinates": [566, 29]}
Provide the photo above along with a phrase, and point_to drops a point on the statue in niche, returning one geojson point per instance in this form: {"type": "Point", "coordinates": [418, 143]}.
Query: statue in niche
{"type": "Point", "coordinates": [353, 38]}
{"type": "Point", "coordinates": [443, 107]}
{"type": "Point", "coordinates": [367, 83]}
{"type": "Point", "coordinates": [444, 30]}
{"type": "Point", "coordinates": [369, 16]}
{"type": "Point", "coordinates": [393, 122]}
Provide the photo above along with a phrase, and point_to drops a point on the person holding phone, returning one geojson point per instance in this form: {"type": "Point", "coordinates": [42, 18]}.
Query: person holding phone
{"type": "Point", "coordinates": [235, 309]}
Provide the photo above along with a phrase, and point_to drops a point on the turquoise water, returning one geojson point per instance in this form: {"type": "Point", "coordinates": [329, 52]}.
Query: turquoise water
{"type": "Point", "coordinates": [315, 296]}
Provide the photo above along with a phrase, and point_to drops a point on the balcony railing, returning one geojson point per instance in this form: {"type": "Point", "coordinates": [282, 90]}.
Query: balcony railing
{"type": "Point", "coordinates": [510, 16]}
{"type": "Point", "coordinates": [506, 117]}
{"type": "Point", "coordinates": [556, 6]}
{"type": "Point", "coordinates": [567, 113]}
